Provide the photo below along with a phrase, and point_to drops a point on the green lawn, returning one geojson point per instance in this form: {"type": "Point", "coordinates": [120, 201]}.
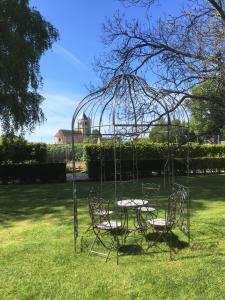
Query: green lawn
{"type": "Point", "coordinates": [37, 260]}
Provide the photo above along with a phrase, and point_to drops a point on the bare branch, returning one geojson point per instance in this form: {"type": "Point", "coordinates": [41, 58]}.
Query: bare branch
{"type": "Point", "coordinates": [218, 5]}
{"type": "Point", "coordinates": [181, 51]}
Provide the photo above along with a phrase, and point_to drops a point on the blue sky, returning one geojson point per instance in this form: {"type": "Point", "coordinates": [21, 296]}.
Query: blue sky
{"type": "Point", "coordinates": [67, 68]}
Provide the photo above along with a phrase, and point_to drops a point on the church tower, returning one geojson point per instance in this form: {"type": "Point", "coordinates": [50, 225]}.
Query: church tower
{"type": "Point", "coordinates": [84, 124]}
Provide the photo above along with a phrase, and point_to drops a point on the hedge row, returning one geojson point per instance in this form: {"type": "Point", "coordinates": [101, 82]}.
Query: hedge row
{"type": "Point", "coordinates": [126, 169]}
{"type": "Point", "coordinates": [145, 151]}
{"type": "Point", "coordinates": [145, 159]}
{"type": "Point", "coordinates": [31, 173]}
{"type": "Point", "coordinates": [18, 152]}
{"type": "Point", "coordinates": [63, 153]}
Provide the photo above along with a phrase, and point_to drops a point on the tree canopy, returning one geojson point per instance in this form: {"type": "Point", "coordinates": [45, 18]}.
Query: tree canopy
{"type": "Point", "coordinates": [24, 36]}
{"type": "Point", "coordinates": [93, 137]}
{"type": "Point", "coordinates": [207, 117]}
{"type": "Point", "coordinates": [177, 132]}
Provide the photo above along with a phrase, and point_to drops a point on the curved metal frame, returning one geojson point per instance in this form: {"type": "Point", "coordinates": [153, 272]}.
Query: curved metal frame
{"type": "Point", "coordinates": [128, 107]}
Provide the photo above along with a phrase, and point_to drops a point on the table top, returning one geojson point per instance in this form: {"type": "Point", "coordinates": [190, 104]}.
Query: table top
{"type": "Point", "coordinates": [131, 203]}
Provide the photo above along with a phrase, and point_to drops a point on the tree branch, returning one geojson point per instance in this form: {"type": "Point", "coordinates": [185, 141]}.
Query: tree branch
{"type": "Point", "coordinates": [218, 7]}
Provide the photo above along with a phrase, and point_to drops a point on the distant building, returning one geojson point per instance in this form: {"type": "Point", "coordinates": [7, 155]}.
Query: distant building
{"type": "Point", "coordinates": [84, 124]}
{"type": "Point", "coordinates": [64, 136]}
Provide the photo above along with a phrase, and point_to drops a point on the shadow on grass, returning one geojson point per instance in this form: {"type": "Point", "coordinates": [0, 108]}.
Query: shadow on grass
{"type": "Point", "coordinates": [172, 238]}
{"type": "Point", "coordinates": [131, 249]}
{"type": "Point", "coordinates": [32, 202]}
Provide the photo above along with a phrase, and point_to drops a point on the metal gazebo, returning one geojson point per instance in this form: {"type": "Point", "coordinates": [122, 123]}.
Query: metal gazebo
{"type": "Point", "coordinates": [125, 109]}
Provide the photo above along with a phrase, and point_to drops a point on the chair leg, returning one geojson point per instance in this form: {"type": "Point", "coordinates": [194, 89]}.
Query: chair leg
{"type": "Point", "coordinates": [92, 245]}
{"type": "Point", "coordinates": [172, 249]}
{"type": "Point", "coordinates": [170, 245]}
{"type": "Point", "coordinates": [117, 250]}
{"type": "Point", "coordinates": [107, 255]}
{"type": "Point", "coordinates": [81, 244]}
{"type": "Point", "coordinates": [160, 234]}
{"type": "Point", "coordinates": [115, 243]}
{"type": "Point", "coordinates": [112, 245]}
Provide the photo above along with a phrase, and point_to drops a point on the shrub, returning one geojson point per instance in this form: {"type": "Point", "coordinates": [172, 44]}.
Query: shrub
{"type": "Point", "coordinates": [147, 150]}
{"type": "Point", "coordinates": [31, 173]}
{"type": "Point", "coordinates": [145, 158]}
{"type": "Point", "coordinates": [62, 153]}
{"type": "Point", "coordinates": [39, 152]}
{"type": "Point", "coordinates": [18, 151]}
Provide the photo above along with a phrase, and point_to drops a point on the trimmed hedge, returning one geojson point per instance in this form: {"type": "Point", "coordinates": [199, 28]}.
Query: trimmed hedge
{"type": "Point", "coordinates": [31, 173]}
{"type": "Point", "coordinates": [146, 150]}
{"type": "Point", "coordinates": [150, 159]}
{"type": "Point", "coordinates": [63, 153]}
{"type": "Point", "coordinates": [17, 152]}
{"type": "Point", "coordinates": [205, 165]}
{"type": "Point", "coordinates": [125, 169]}
{"type": "Point", "coordinates": [146, 168]}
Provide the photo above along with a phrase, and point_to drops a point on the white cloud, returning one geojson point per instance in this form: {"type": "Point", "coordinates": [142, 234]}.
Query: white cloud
{"type": "Point", "coordinates": [69, 55]}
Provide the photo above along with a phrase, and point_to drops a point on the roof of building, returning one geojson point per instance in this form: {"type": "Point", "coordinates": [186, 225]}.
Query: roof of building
{"type": "Point", "coordinates": [83, 116]}
{"type": "Point", "coordinates": [64, 132]}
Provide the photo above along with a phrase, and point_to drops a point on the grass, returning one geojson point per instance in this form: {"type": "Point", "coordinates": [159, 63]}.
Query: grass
{"type": "Point", "coordinates": [37, 259]}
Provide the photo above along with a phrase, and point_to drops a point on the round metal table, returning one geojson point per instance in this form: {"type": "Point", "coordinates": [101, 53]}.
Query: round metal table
{"type": "Point", "coordinates": [131, 204]}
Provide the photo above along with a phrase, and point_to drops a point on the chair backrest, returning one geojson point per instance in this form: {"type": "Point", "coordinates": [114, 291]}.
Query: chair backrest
{"type": "Point", "coordinates": [98, 209]}
{"type": "Point", "coordinates": [128, 189]}
{"type": "Point", "coordinates": [183, 208]}
{"type": "Point", "coordinates": [150, 190]}
{"type": "Point", "coordinates": [94, 192]}
{"type": "Point", "coordinates": [171, 213]}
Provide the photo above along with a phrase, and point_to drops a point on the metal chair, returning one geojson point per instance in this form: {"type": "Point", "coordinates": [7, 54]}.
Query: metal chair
{"type": "Point", "coordinates": [162, 227]}
{"type": "Point", "coordinates": [105, 229]}
{"type": "Point", "coordinates": [149, 192]}
{"type": "Point", "coordinates": [150, 189]}
{"type": "Point", "coordinates": [183, 209]}
{"type": "Point", "coordinates": [93, 193]}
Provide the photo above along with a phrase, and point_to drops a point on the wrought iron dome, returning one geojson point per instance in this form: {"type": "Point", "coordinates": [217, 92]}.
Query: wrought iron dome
{"type": "Point", "coordinates": [127, 106]}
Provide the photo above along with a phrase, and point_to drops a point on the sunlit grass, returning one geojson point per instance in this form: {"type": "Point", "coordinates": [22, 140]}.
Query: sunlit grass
{"type": "Point", "coordinates": [37, 260]}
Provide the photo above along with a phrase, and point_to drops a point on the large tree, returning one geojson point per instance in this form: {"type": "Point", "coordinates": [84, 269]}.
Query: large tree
{"type": "Point", "coordinates": [178, 132]}
{"type": "Point", "coordinates": [207, 117]}
{"type": "Point", "coordinates": [182, 50]}
{"type": "Point", "coordinates": [24, 36]}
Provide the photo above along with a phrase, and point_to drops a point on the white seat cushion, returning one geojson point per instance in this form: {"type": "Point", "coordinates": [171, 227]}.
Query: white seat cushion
{"type": "Point", "coordinates": [158, 222]}
{"type": "Point", "coordinates": [147, 209]}
{"type": "Point", "coordinates": [109, 225]}
{"type": "Point", "coordinates": [103, 212]}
